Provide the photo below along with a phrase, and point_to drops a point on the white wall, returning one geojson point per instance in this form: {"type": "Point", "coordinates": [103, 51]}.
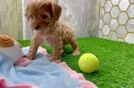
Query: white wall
{"type": "Point", "coordinates": [81, 15]}
{"type": "Point", "coordinates": [26, 25]}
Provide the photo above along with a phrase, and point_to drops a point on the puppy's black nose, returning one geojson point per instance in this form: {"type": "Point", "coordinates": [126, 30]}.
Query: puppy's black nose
{"type": "Point", "coordinates": [37, 27]}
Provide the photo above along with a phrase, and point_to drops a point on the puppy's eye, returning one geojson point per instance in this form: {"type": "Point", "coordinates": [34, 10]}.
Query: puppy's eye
{"type": "Point", "coordinates": [31, 16]}
{"type": "Point", "coordinates": [44, 17]}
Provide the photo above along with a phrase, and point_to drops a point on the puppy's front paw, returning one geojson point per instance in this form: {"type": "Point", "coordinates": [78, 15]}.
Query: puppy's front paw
{"type": "Point", "coordinates": [23, 61]}
{"type": "Point", "coordinates": [76, 52]}
{"type": "Point", "coordinates": [54, 59]}
{"type": "Point", "coordinates": [29, 57]}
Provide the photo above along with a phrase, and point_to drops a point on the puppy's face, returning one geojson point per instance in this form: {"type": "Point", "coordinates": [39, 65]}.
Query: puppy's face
{"type": "Point", "coordinates": [42, 13]}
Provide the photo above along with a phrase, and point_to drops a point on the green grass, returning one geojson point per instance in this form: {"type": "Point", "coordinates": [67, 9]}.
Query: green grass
{"type": "Point", "coordinates": [116, 62]}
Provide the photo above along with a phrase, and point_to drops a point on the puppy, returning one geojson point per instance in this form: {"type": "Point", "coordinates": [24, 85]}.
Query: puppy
{"type": "Point", "coordinates": [43, 16]}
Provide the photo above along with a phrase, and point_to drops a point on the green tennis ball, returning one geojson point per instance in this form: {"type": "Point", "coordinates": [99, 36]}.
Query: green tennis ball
{"type": "Point", "coordinates": [88, 63]}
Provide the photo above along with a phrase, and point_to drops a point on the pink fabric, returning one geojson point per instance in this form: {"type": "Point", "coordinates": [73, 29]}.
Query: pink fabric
{"type": "Point", "coordinates": [23, 61]}
{"type": "Point", "coordinates": [78, 76]}
{"type": "Point", "coordinates": [3, 84]}
{"type": "Point", "coordinates": [72, 73]}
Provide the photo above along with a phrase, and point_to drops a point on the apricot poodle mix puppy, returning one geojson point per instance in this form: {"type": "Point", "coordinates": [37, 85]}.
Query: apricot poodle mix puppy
{"type": "Point", "coordinates": [43, 16]}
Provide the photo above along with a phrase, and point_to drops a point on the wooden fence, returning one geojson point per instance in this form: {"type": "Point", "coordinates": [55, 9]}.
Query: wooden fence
{"type": "Point", "coordinates": [11, 18]}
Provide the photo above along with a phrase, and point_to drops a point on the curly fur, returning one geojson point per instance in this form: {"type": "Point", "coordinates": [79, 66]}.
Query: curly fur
{"type": "Point", "coordinates": [43, 16]}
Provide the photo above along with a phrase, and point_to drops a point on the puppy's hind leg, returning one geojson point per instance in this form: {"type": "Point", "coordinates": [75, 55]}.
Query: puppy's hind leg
{"type": "Point", "coordinates": [75, 47]}
{"type": "Point", "coordinates": [57, 45]}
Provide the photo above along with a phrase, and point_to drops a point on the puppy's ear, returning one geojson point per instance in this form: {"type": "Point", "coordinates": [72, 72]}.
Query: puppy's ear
{"type": "Point", "coordinates": [53, 8]}
{"type": "Point", "coordinates": [56, 11]}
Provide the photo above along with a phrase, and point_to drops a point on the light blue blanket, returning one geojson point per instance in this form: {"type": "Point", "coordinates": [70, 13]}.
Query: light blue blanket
{"type": "Point", "coordinates": [39, 72]}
